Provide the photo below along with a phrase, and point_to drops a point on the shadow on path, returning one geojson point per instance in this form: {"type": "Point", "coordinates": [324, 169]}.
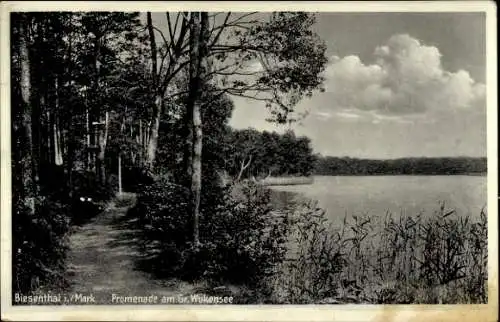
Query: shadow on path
{"type": "Point", "coordinates": [103, 256]}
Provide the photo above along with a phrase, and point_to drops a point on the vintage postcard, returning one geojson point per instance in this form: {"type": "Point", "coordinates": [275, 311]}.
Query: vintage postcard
{"type": "Point", "coordinates": [287, 161]}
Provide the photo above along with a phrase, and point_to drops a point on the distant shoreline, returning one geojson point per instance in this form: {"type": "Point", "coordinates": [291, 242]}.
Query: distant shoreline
{"type": "Point", "coordinates": [482, 174]}
{"type": "Point", "coordinates": [403, 166]}
{"type": "Point", "coordinates": [287, 181]}
{"type": "Point", "coordinates": [303, 180]}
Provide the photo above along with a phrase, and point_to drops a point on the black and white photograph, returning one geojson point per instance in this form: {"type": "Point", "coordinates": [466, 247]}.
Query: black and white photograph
{"type": "Point", "coordinates": [176, 158]}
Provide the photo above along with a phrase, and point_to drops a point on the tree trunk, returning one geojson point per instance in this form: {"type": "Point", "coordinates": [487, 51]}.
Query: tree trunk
{"type": "Point", "coordinates": [38, 80]}
{"type": "Point", "coordinates": [188, 147]}
{"type": "Point", "coordinates": [36, 106]}
{"type": "Point", "coordinates": [158, 104]}
{"type": "Point", "coordinates": [198, 70]}
{"type": "Point", "coordinates": [70, 159]}
{"type": "Point", "coordinates": [119, 174]}
{"type": "Point", "coordinates": [103, 138]}
{"type": "Point", "coordinates": [196, 169]}
{"type": "Point", "coordinates": [153, 133]}
{"type": "Point", "coordinates": [48, 153]}
{"type": "Point", "coordinates": [28, 163]}
{"type": "Point", "coordinates": [87, 131]}
{"type": "Point", "coordinates": [140, 139]}
{"type": "Point", "coordinates": [102, 127]}
{"type": "Point", "coordinates": [58, 160]}
{"type": "Point", "coordinates": [193, 109]}
{"type": "Point", "coordinates": [243, 167]}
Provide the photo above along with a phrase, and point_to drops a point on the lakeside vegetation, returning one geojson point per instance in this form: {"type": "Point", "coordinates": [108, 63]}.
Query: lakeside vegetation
{"type": "Point", "coordinates": [292, 254]}
{"type": "Point", "coordinates": [386, 259]}
{"type": "Point", "coordinates": [105, 118]}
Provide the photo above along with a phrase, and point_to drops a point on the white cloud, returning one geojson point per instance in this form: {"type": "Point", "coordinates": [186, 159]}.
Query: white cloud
{"type": "Point", "coordinates": [406, 78]}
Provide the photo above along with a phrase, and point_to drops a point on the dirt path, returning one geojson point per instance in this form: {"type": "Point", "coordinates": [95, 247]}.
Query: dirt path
{"type": "Point", "coordinates": [102, 261]}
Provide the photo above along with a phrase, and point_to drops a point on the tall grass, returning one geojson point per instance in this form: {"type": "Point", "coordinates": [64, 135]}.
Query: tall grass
{"type": "Point", "coordinates": [418, 259]}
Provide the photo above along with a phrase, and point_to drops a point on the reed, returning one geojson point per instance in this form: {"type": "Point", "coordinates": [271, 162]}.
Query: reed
{"type": "Point", "coordinates": [385, 260]}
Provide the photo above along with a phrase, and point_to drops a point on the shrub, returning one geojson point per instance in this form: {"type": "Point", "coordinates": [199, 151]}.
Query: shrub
{"type": "Point", "coordinates": [135, 178]}
{"type": "Point", "coordinates": [247, 238]}
{"type": "Point", "coordinates": [162, 208]}
{"type": "Point", "coordinates": [112, 182]}
{"type": "Point", "coordinates": [86, 184]}
{"type": "Point", "coordinates": [125, 200]}
{"type": "Point", "coordinates": [242, 241]}
{"type": "Point", "coordinates": [83, 209]}
{"type": "Point", "coordinates": [39, 244]}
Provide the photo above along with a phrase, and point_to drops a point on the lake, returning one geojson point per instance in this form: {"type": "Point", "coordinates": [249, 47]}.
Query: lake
{"type": "Point", "coordinates": [375, 195]}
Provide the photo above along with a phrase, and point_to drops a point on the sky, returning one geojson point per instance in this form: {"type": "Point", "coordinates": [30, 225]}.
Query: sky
{"type": "Point", "coordinates": [397, 85]}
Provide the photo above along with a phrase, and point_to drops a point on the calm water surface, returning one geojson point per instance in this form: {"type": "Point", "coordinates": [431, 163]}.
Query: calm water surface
{"type": "Point", "coordinates": [375, 195]}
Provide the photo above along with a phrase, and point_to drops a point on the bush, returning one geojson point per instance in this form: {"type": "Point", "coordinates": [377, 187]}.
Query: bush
{"type": "Point", "coordinates": [83, 210]}
{"type": "Point", "coordinates": [162, 208]}
{"type": "Point", "coordinates": [242, 241]}
{"type": "Point", "coordinates": [135, 178]}
{"type": "Point", "coordinates": [113, 182]}
{"type": "Point", "coordinates": [39, 244]}
{"type": "Point", "coordinates": [54, 182]}
{"type": "Point", "coordinates": [86, 185]}
{"type": "Point", "coordinates": [246, 238]}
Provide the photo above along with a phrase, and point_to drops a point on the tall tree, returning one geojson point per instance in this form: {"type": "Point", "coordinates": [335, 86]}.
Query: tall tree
{"type": "Point", "coordinates": [277, 61]}
{"type": "Point", "coordinates": [109, 36]}
{"type": "Point", "coordinates": [171, 54]}
{"type": "Point", "coordinates": [158, 95]}
{"type": "Point", "coordinates": [28, 161]}
{"type": "Point", "coordinates": [290, 55]}
{"type": "Point", "coordinates": [198, 69]}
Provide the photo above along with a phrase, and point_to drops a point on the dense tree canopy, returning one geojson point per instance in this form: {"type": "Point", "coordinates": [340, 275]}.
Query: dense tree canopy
{"type": "Point", "coordinates": [99, 94]}
{"type": "Point", "coordinates": [257, 154]}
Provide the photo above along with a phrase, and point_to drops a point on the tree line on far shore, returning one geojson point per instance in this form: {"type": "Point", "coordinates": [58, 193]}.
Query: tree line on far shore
{"type": "Point", "coordinates": [250, 153]}
{"type": "Point", "coordinates": [328, 165]}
